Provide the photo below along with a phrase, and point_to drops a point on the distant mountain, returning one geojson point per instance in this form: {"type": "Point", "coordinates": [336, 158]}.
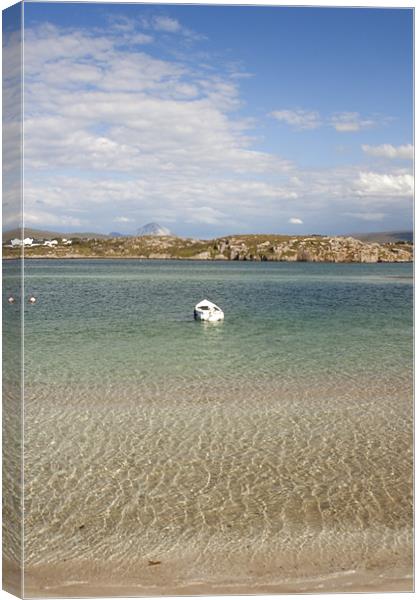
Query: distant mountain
{"type": "Point", "coordinates": [152, 229]}
{"type": "Point", "coordinates": [117, 234]}
{"type": "Point", "coordinates": [382, 237]}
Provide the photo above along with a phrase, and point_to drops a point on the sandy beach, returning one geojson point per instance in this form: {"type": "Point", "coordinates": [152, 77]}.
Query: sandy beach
{"type": "Point", "coordinates": [162, 580]}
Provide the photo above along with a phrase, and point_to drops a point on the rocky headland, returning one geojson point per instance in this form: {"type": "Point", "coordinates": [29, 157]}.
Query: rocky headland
{"type": "Point", "coordinates": [315, 248]}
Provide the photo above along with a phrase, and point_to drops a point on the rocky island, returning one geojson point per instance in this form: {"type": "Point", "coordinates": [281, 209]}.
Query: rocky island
{"type": "Point", "coordinates": [263, 247]}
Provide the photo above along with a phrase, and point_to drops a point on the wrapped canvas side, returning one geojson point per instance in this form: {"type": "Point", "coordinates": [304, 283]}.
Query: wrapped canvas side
{"type": "Point", "coordinates": [13, 302]}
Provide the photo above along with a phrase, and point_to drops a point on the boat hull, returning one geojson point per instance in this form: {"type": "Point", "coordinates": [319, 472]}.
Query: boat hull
{"type": "Point", "coordinates": [204, 315]}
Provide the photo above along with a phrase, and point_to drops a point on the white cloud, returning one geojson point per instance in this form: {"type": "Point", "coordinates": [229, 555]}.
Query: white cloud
{"type": "Point", "coordinates": [366, 216]}
{"type": "Point", "coordinates": [139, 38]}
{"type": "Point", "coordinates": [350, 121]}
{"type": "Point", "coordinates": [295, 221]}
{"type": "Point", "coordinates": [158, 115]}
{"type": "Point", "coordinates": [380, 184]}
{"type": "Point", "coordinates": [166, 24]}
{"type": "Point", "coordinates": [212, 200]}
{"type": "Point", "coordinates": [303, 119]}
{"type": "Point", "coordinates": [203, 200]}
{"type": "Point", "coordinates": [205, 214]}
{"type": "Point", "coordinates": [389, 151]}
{"type": "Point", "coordinates": [113, 133]}
{"type": "Point", "coordinates": [41, 218]}
{"type": "Point", "coordinates": [123, 220]}
{"type": "Point", "coordinates": [48, 43]}
{"type": "Point", "coordinates": [298, 118]}
{"type": "Point", "coordinates": [121, 23]}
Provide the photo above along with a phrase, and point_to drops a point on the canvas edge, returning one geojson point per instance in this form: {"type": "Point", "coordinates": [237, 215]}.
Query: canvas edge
{"type": "Point", "coordinates": [13, 302]}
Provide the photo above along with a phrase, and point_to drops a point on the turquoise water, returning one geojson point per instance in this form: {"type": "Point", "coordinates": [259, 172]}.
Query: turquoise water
{"type": "Point", "coordinates": [130, 320]}
{"type": "Point", "coordinates": [276, 444]}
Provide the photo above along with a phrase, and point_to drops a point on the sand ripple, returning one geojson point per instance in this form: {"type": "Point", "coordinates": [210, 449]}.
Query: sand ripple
{"type": "Point", "coordinates": [258, 475]}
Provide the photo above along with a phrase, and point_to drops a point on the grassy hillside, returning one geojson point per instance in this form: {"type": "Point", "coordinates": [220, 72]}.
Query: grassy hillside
{"type": "Point", "coordinates": [385, 236]}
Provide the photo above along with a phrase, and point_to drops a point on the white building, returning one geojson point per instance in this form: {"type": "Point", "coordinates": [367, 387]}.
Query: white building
{"type": "Point", "coordinates": [17, 242]}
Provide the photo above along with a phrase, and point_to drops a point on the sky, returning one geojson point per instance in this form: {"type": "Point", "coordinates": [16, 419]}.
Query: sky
{"type": "Point", "coordinates": [214, 120]}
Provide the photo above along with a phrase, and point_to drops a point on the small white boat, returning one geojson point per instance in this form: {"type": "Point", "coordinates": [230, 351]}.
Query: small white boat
{"type": "Point", "coordinates": [208, 311]}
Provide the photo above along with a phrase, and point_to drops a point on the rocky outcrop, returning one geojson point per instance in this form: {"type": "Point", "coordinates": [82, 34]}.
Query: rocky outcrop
{"type": "Point", "coordinates": [206, 255]}
{"type": "Point", "coordinates": [337, 249]}
{"type": "Point", "coordinates": [313, 249]}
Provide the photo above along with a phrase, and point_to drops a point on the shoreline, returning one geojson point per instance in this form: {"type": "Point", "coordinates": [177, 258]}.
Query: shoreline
{"type": "Point", "coordinates": [203, 260]}
{"type": "Point", "coordinates": [50, 581]}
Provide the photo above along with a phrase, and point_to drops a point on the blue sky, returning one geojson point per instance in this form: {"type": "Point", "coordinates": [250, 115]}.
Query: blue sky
{"type": "Point", "coordinates": [213, 120]}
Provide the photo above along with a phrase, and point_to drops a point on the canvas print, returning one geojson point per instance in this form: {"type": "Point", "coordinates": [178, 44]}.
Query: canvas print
{"type": "Point", "coordinates": [207, 299]}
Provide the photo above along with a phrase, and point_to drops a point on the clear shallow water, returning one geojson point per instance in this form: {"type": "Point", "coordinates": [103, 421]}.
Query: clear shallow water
{"type": "Point", "coordinates": [130, 320]}
{"type": "Point", "coordinates": [279, 439]}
